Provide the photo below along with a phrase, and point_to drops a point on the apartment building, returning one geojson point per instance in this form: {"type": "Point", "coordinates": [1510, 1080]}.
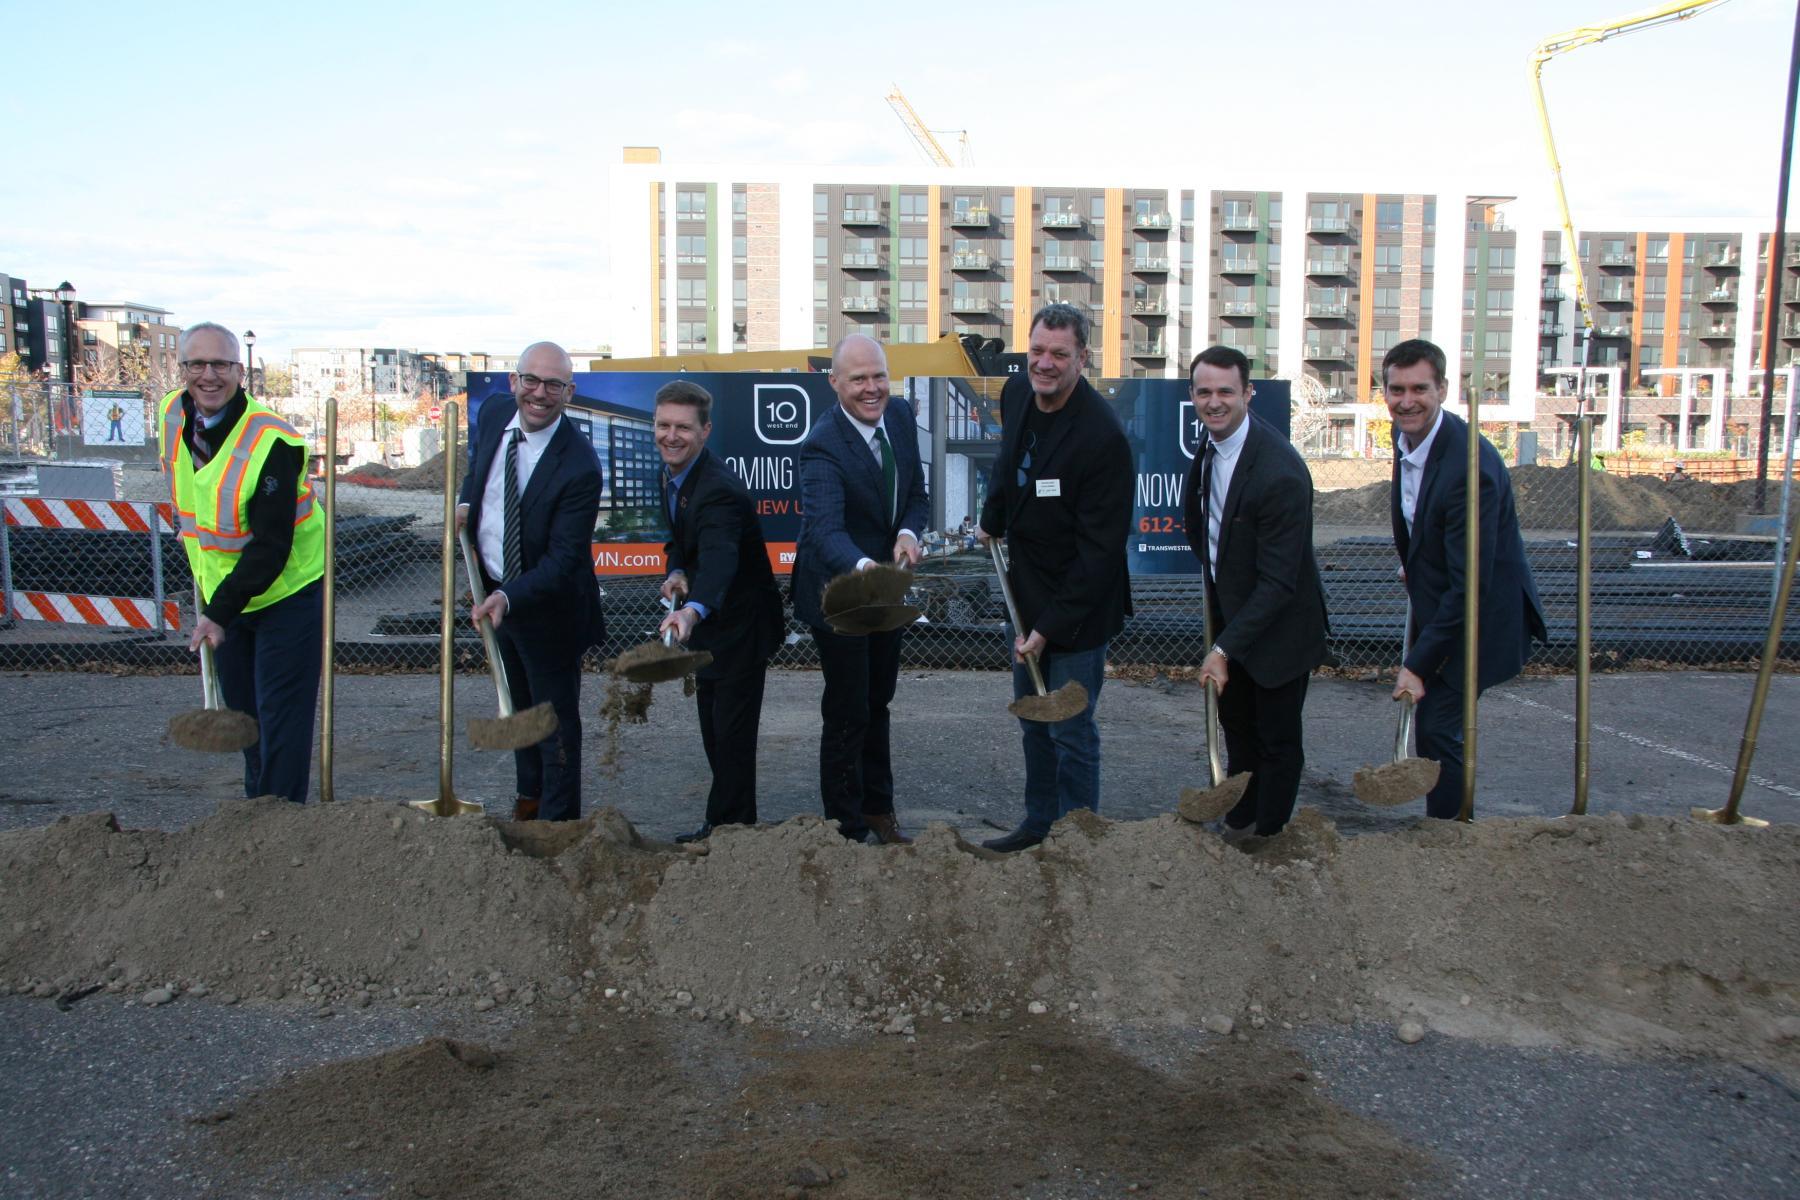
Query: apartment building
{"type": "Point", "coordinates": [127, 344]}
{"type": "Point", "coordinates": [1312, 284]}
{"type": "Point", "coordinates": [388, 375]}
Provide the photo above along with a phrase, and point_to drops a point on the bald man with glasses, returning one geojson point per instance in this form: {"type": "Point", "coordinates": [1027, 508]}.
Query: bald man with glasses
{"type": "Point", "coordinates": [531, 497]}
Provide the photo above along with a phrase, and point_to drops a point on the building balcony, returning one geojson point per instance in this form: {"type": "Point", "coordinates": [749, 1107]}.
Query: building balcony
{"type": "Point", "coordinates": [1790, 329]}
{"type": "Point", "coordinates": [1238, 308]}
{"type": "Point", "coordinates": [1719, 296]}
{"type": "Point", "coordinates": [862, 262]}
{"type": "Point", "coordinates": [1552, 331]}
{"type": "Point", "coordinates": [1152, 220]}
{"type": "Point", "coordinates": [971, 218]}
{"type": "Point", "coordinates": [862, 216]}
{"type": "Point", "coordinates": [1148, 350]}
{"type": "Point", "coordinates": [1625, 259]}
{"type": "Point", "coordinates": [1793, 258]}
{"type": "Point", "coordinates": [1612, 331]}
{"type": "Point", "coordinates": [1061, 220]}
{"type": "Point", "coordinates": [1553, 295]}
{"type": "Point", "coordinates": [1328, 266]}
{"type": "Point", "coordinates": [1150, 308]}
{"type": "Point", "coordinates": [1238, 223]}
{"type": "Point", "coordinates": [1249, 352]}
{"type": "Point", "coordinates": [1326, 352]}
{"type": "Point", "coordinates": [1062, 262]}
{"type": "Point", "coordinates": [971, 304]}
{"type": "Point", "coordinates": [863, 304]}
{"type": "Point", "coordinates": [971, 261]}
{"type": "Point", "coordinates": [1150, 266]}
{"type": "Point", "coordinates": [1330, 309]}
{"type": "Point", "coordinates": [1614, 298]}
{"type": "Point", "coordinates": [1553, 258]}
{"type": "Point", "coordinates": [1328, 224]}
{"type": "Point", "coordinates": [1725, 261]}
{"type": "Point", "coordinates": [1713, 333]}
{"type": "Point", "coordinates": [1241, 265]}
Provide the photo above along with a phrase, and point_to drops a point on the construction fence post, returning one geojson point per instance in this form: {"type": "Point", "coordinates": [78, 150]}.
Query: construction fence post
{"type": "Point", "coordinates": [156, 574]}
{"type": "Point", "coordinates": [7, 617]}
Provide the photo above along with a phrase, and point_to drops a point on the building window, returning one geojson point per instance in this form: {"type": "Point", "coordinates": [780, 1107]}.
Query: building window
{"type": "Point", "coordinates": [1389, 216]}
{"type": "Point", "coordinates": [821, 292]}
{"type": "Point", "coordinates": [1387, 301]}
{"type": "Point", "coordinates": [1389, 259]}
{"type": "Point", "coordinates": [691, 292]}
{"type": "Point", "coordinates": [1059, 204]}
{"type": "Point", "coordinates": [690, 335]}
{"type": "Point", "coordinates": [911, 334]}
{"type": "Point", "coordinates": [1500, 260]}
{"type": "Point", "coordinates": [913, 251]}
{"type": "Point", "coordinates": [690, 248]}
{"type": "Point", "coordinates": [1656, 249]}
{"type": "Point", "coordinates": [913, 207]}
{"type": "Point", "coordinates": [1006, 206]}
{"type": "Point", "coordinates": [690, 206]}
{"type": "Point", "coordinates": [1498, 342]}
{"type": "Point", "coordinates": [914, 293]}
{"type": "Point", "coordinates": [821, 334]}
{"type": "Point", "coordinates": [821, 206]}
{"type": "Point", "coordinates": [740, 249]}
{"type": "Point", "coordinates": [1097, 209]}
{"type": "Point", "coordinates": [1499, 302]}
{"type": "Point", "coordinates": [821, 251]}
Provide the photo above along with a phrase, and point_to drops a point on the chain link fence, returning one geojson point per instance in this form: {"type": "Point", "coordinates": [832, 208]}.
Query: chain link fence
{"type": "Point", "coordinates": [1682, 566]}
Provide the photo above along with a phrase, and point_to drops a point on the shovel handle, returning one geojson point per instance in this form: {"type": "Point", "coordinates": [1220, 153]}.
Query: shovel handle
{"type": "Point", "coordinates": [1012, 613]}
{"type": "Point", "coordinates": [489, 643]}
{"type": "Point", "coordinates": [1213, 762]}
{"type": "Point", "coordinates": [1403, 731]}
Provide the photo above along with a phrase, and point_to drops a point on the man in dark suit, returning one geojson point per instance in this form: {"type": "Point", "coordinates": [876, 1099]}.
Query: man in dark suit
{"type": "Point", "coordinates": [531, 496]}
{"type": "Point", "coordinates": [1430, 515]}
{"type": "Point", "coordinates": [723, 589]}
{"type": "Point", "coordinates": [1248, 508]}
{"type": "Point", "coordinates": [1061, 495]}
{"type": "Point", "coordinates": [862, 498]}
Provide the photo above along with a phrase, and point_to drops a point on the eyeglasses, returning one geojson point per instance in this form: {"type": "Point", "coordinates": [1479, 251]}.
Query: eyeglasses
{"type": "Point", "coordinates": [552, 387]}
{"type": "Point", "coordinates": [198, 366]}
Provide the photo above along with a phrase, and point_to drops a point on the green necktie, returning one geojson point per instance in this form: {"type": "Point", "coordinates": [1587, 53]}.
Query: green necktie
{"type": "Point", "coordinates": [887, 469]}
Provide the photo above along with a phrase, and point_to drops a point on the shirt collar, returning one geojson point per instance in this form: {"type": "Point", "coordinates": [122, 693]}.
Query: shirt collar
{"type": "Point", "coordinates": [680, 479]}
{"type": "Point", "coordinates": [1418, 454]}
{"type": "Point", "coordinates": [863, 427]}
{"type": "Point", "coordinates": [537, 439]}
{"type": "Point", "coordinates": [1229, 447]}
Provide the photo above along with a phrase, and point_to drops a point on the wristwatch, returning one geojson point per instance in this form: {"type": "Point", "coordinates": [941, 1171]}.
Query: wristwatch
{"type": "Point", "coordinates": [1220, 651]}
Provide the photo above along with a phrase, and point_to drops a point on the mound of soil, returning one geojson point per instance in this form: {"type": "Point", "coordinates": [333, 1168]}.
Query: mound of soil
{"type": "Point", "coordinates": [428, 476]}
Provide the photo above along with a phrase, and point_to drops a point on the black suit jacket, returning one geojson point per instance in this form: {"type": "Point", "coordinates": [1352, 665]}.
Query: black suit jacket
{"type": "Point", "coordinates": [556, 589]}
{"type": "Point", "coordinates": [1267, 601]}
{"type": "Point", "coordinates": [1069, 573]}
{"type": "Point", "coordinates": [717, 542]}
{"type": "Point", "coordinates": [843, 514]}
{"type": "Point", "coordinates": [1433, 555]}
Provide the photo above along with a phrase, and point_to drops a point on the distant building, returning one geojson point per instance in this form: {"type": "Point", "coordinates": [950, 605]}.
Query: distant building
{"type": "Point", "coordinates": [127, 344]}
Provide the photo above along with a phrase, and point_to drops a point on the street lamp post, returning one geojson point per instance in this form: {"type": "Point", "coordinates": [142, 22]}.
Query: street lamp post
{"type": "Point", "coordinates": [65, 295]}
{"type": "Point", "coordinates": [250, 361]}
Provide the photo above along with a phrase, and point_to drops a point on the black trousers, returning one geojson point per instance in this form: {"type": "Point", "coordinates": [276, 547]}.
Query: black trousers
{"type": "Point", "coordinates": [1438, 731]}
{"type": "Point", "coordinates": [1263, 736]}
{"type": "Point", "coordinates": [730, 714]}
{"type": "Point", "coordinates": [543, 663]}
{"type": "Point", "coordinates": [269, 667]}
{"type": "Point", "coordinates": [856, 774]}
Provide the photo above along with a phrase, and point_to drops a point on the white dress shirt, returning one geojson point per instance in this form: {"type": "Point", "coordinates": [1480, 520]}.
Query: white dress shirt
{"type": "Point", "coordinates": [868, 437]}
{"type": "Point", "coordinates": [1412, 469]}
{"type": "Point", "coordinates": [490, 536]}
{"type": "Point", "coordinates": [1225, 456]}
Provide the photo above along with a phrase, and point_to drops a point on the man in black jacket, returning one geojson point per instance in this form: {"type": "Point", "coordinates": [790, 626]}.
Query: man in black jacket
{"type": "Point", "coordinates": [723, 589]}
{"type": "Point", "coordinates": [1248, 508]}
{"type": "Point", "coordinates": [1061, 495]}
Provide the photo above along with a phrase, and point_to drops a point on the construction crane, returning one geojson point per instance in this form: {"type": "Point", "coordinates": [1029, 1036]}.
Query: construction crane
{"type": "Point", "coordinates": [928, 145]}
{"type": "Point", "coordinates": [1562, 43]}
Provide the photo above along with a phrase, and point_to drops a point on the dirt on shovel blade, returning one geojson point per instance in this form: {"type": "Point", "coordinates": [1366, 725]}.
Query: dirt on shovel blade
{"type": "Point", "coordinates": [1065, 702]}
{"type": "Point", "coordinates": [879, 584]}
{"type": "Point", "coordinates": [1396, 782]}
{"type": "Point", "coordinates": [872, 618]}
{"type": "Point", "coordinates": [653, 662]}
{"type": "Point", "coordinates": [516, 732]}
{"type": "Point", "coordinates": [213, 730]}
{"type": "Point", "coordinates": [1201, 805]}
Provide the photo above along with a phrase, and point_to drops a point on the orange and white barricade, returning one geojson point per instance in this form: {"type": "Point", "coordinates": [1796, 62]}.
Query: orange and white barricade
{"type": "Point", "coordinates": [154, 613]}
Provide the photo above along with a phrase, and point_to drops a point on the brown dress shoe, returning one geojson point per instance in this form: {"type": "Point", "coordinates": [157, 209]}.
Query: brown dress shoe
{"type": "Point", "coordinates": [525, 808]}
{"type": "Point", "coordinates": [887, 829]}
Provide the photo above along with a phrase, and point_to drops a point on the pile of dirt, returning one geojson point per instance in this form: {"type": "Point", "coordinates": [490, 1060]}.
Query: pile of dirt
{"type": "Point", "coordinates": [428, 476]}
{"type": "Point", "coordinates": [1596, 931]}
{"type": "Point", "coordinates": [1545, 498]}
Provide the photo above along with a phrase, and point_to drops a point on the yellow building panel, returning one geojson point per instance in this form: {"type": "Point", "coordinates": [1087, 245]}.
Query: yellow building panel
{"type": "Point", "coordinates": [1365, 305]}
{"type": "Point", "coordinates": [1024, 230]}
{"type": "Point", "coordinates": [934, 270]}
{"type": "Point", "coordinates": [1671, 342]}
{"type": "Point", "coordinates": [656, 321]}
{"type": "Point", "coordinates": [1112, 357]}
{"type": "Point", "coordinates": [1637, 305]}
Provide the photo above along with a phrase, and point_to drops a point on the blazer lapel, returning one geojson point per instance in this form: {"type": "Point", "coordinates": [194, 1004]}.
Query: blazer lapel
{"type": "Point", "coordinates": [1432, 475]}
{"type": "Point", "coordinates": [547, 465]}
{"type": "Point", "coordinates": [686, 491]}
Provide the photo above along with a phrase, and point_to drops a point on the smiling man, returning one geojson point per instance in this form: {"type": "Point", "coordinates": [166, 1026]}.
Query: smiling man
{"type": "Point", "coordinates": [1061, 495]}
{"type": "Point", "coordinates": [862, 499]}
{"type": "Point", "coordinates": [255, 540]}
{"type": "Point", "coordinates": [1248, 508]}
{"type": "Point", "coordinates": [723, 591]}
{"type": "Point", "coordinates": [531, 496]}
{"type": "Point", "coordinates": [1431, 520]}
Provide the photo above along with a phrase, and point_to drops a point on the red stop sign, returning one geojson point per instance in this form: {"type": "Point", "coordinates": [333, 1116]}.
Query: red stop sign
{"type": "Point", "coordinates": [436, 412]}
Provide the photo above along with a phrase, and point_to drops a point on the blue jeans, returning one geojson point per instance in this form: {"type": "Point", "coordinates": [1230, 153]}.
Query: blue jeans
{"type": "Point", "coordinates": [1062, 760]}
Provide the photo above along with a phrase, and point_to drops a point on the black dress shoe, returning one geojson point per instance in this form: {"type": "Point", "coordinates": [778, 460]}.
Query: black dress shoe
{"type": "Point", "coordinates": [699, 835]}
{"type": "Point", "coordinates": [1018, 839]}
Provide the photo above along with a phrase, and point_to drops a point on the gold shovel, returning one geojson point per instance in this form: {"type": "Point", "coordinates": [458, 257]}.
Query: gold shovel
{"type": "Point", "coordinates": [1201, 805]}
{"type": "Point", "coordinates": [211, 728]}
{"type": "Point", "coordinates": [509, 730]}
{"type": "Point", "coordinates": [1047, 707]}
{"type": "Point", "coordinates": [1405, 778]}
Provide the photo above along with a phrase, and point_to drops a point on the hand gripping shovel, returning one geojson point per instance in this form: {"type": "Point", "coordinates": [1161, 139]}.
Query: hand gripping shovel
{"type": "Point", "coordinates": [1404, 778]}
{"type": "Point", "coordinates": [509, 730]}
{"type": "Point", "coordinates": [661, 661]}
{"type": "Point", "coordinates": [212, 728]}
{"type": "Point", "coordinates": [1048, 707]}
{"type": "Point", "coordinates": [872, 601]}
{"type": "Point", "coordinates": [1222, 794]}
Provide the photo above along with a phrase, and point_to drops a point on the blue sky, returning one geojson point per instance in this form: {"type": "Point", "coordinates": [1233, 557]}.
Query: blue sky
{"type": "Point", "coordinates": [434, 175]}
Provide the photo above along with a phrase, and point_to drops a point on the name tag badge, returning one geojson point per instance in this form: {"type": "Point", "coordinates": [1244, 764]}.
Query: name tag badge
{"type": "Point", "coordinates": [1049, 487]}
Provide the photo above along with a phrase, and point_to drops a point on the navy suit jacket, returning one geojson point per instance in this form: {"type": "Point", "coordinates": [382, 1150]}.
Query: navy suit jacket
{"type": "Point", "coordinates": [717, 541]}
{"type": "Point", "coordinates": [843, 513]}
{"type": "Point", "coordinates": [1434, 554]}
{"type": "Point", "coordinates": [1266, 592]}
{"type": "Point", "coordinates": [556, 590]}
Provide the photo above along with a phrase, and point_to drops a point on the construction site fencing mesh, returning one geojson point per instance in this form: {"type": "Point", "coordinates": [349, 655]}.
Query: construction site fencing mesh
{"type": "Point", "coordinates": [1677, 580]}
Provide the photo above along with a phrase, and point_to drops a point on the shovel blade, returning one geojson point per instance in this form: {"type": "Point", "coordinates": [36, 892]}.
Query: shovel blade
{"type": "Point", "coordinates": [1201, 805]}
{"type": "Point", "coordinates": [653, 662]}
{"type": "Point", "coordinates": [1397, 782]}
{"type": "Point", "coordinates": [516, 732]}
{"type": "Point", "coordinates": [1067, 701]}
{"type": "Point", "coordinates": [213, 730]}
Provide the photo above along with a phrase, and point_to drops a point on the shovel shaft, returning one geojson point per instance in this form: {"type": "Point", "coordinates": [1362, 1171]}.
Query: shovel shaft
{"type": "Point", "coordinates": [1403, 730]}
{"type": "Point", "coordinates": [489, 643]}
{"type": "Point", "coordinates": [1012, 613]}
{"type": "Point", "coordinates": [1213, 762]}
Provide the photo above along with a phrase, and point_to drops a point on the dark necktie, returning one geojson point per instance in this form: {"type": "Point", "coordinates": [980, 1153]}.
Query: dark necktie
{"type": "Point", "coordinates": [888, 470]}
{"type": "Point", "coordinates": [673, 496]}
{"type": "Point", "coordinates": [513, 547]}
